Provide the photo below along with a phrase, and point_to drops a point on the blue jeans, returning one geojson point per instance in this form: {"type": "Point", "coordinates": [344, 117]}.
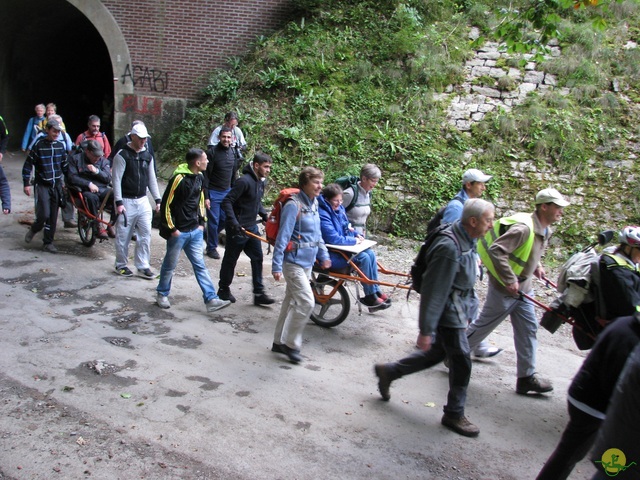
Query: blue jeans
{"type": "Point", "coordinates": [215, 217]}
{"type": "Point", "coordinates": [449, 342]}
{"type": "Point", "coordinates": [191, 243]}
{"type": "Point", "coordinates": [234, 247]}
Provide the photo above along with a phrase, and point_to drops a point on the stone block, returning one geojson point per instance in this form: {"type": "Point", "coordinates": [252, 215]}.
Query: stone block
{"type": "Point", "coordinates": [473, 107]}
{"type": "Point", "coordinates": [530, 66]}
{"type": "Point", "coordinates": [550, 79]}
{"type": "Point", "coordinates": [534, 76]}
{"type": "Point", "coordinates": [511, 94]}
{"type": "Point", "coordinates": [475, 62]}
{"type": "Point", "coordinates": [488, 92]}
{"type": "Point", "coordinates": [474, 33]}
{"type": "Point", "coordinates": [463, 125]}
{"type": "Point", "coordinates": [479, 71]}
{"type": "Point", "coordinates": [526, 87]}
{"type": "Point", "coordinates": [490, 63]}
{"type": "Point", "coordinates": [492, 55]}
{"type": "Point", "coordinates": [514, 73]}
{"type": "Point", "coordinates": [497, 72]}
{"type": "Point", "coordinates": [486, 108]}
{"type": "Point", "coordinates": [556, 52]}
{"type": "Point", "coordinates": [477, 117]}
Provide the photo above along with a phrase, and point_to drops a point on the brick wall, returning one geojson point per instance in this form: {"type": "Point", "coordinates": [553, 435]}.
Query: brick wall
{"type": "Point", "coordinates": [174, 43]}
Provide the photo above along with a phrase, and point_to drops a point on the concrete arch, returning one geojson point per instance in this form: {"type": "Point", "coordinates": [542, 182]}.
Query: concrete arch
{"type": "Point", "coordinates": [109, 30]}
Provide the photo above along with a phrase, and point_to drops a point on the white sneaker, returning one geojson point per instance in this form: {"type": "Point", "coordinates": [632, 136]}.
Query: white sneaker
{"type": "Point", "coordinates": [484, 350]}
{"type": "Point", "coordinates": [216, 304]}
{"type": "Point", "coordinates": [163, 301]}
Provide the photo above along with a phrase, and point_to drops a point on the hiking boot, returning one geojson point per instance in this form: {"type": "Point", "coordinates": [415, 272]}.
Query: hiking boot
{"type": "Point", "coordinates": [111, 231]}
{"type": "Point", "coordinates": [534, 384]}
{"type": "Point", "coordinates": [225, 294]}
{"type": "Point", "coordinates": [102, 234]}
{"type": "Point", "coordinates": [384, 380]}
{"type": "Point", "coordinates": [163, 301]}
{"type": "Point", "coordinates": [216, 304]}
{"type": "Point", "coordinates": [124, 272]}
{"type": "Point", "coordinates": [263, 299]}
{"type": "Point", "coordinates": [49, 247]}
{"type": "Point", "coordinates": [70, 224]}
{"type": "Point", "coordinates": [213, 254]}
{"type": "Point", "coordinates": [146, 273]}
{"type": "Point", "coordinates": [29, 236]}
{"type": "Point", "coordinates": [460, 425]}
{"type": "Point", "coordinates": [292, 354]}
{"type": "Point", "coordinates": [484, 350]}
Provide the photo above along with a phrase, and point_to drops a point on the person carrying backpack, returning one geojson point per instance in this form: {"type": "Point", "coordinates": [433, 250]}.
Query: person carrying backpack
{"type": "Point", "coordinates": [300, 227]}
{"type": "Point", "coordinates": [619, 275]}
{"type": "Point", "coordinates": [447, 304]}
{"type": "Point", "coordinates": [511, 252]}
{"type": "Point", "coordinates": [473, 186]}
{"type": "Point", "coordinates": [357, 199]}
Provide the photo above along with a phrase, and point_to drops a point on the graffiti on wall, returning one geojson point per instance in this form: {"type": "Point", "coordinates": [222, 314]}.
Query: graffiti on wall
{"type": "Point", "coordinates": [146, 78]}
{"type": "Point", "coordinates": [141, 105]}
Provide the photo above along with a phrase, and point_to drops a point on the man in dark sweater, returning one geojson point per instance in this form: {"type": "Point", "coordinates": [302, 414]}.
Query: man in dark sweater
{"type": "Point", "coordinates": [48, 158]}
{"type": "Point", "coordinates": [182, 225]}
{"type": "Point", "coordinates": [589, 395]}
{"type": "Point", "coordinates": [242, 206]}
{"type": "Point", "coordinates": [220, 176]}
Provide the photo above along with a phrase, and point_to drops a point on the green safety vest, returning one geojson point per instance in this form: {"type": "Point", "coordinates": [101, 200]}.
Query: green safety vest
{"type": "Point", "coordinates": [519, 257]}
{"type": "Point", "coordinates": [620, 262]}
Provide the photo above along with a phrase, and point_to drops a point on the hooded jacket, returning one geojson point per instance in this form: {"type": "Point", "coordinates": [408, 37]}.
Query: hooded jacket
{"type": "Point", "coordinates": [244, 202]}
{"type": "Point", "coordinates": [182, 207]}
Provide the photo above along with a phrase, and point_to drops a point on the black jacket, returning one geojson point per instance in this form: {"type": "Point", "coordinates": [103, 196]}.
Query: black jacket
{"type": "Point", "coordinates": [620, 285]}
{"type": "Point", "coordinates": [244, 202]}
{"type": "Point", "coordinates": [182, 207]}
{"type": "Point", "coordinates": [593, 384]}
{"type": "Point", "coordinates": [222, 169]}
{"type": "Point", "coordinates": [79, 177]}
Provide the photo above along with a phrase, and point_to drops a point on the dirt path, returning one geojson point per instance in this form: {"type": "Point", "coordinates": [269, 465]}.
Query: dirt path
{"type": "Point", "coordinates": [97, 382]}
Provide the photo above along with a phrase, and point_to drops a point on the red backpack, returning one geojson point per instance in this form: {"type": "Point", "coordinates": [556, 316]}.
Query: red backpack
{"type": "Point", "coordinates": [273, 222]}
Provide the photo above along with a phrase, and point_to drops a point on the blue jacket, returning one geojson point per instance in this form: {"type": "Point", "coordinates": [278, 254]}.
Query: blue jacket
{"type": "Point", "coordinates": [335, 230]}
{"type": "Point", "coordinates": [302, 229]}
{"type": "Point", "coordinates": [453, 211]}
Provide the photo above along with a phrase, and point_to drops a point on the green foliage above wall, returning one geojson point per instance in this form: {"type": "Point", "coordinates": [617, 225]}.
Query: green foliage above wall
{"type": "Point", "coordinates": [351, 82]}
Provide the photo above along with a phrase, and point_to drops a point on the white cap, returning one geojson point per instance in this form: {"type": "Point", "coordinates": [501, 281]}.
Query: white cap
{"type": "Point", "coordinates": [475, 175]}
{"type": "Point", "coordinates": [140, 130]}
{"type": "Point", "coordinates": [551, 195]}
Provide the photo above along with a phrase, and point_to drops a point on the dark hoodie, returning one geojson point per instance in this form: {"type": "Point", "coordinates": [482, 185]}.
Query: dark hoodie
{"type": "Point", "coordinates": [182, 206]}
{"type": "Point", "coordinates": [244, 202]}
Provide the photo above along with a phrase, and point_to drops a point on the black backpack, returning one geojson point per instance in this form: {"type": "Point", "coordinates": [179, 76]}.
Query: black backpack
{"type": "Point", "coordinates": [436, 220]}
{"type": "Point", "coordinates": [349, 181]}
{"type": "Point", "coordinates": [420, 262]}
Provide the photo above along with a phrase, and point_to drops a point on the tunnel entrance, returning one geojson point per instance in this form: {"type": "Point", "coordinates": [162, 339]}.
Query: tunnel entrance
{"type": "Point", "coordinates": [53, 53]}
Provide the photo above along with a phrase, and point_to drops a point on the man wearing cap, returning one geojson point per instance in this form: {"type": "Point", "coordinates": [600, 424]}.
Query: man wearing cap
{"type": "Point", "coordinates": [90, 173]}
{"type": "Point", "coordinates": [94, 133]}
{"type": "Point", "coordinates": [122, 141]}
{"type": "Point", "coordinates": [49, 159]}
{"type": "Point", "coordinates": [511, 252]}
{"type": "Point", "coordinates": [133, 174]}
{"type": "Point", "coordinates": [473, 186]}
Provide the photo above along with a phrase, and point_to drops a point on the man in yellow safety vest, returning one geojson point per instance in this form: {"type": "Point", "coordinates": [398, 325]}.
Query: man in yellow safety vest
{"type": "Point", "coordinates": [511, 252]}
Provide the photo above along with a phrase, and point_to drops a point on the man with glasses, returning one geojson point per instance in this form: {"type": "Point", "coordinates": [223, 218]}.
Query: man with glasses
{"type": "Point", "coordinates": [94, 133]}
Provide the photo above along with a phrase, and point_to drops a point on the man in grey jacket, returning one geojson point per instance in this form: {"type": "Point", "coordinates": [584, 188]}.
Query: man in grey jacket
{"type": "Point", "coordinates": [447, 304]}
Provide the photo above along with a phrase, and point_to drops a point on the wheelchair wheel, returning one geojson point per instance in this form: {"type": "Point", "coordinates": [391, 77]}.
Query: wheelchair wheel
{"type": "Point", "coordinates": [329, 311]}
{"type": "Point", "coordinates": [86, 230]}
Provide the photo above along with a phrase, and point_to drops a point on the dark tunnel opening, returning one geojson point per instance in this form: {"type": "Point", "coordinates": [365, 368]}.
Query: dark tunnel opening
{"type": "Point", "coordinates": [53, 53]}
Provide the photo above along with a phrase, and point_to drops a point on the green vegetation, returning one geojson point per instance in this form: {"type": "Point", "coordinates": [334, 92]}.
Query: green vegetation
{"type": "Point", "coordinates": [350, 82]}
